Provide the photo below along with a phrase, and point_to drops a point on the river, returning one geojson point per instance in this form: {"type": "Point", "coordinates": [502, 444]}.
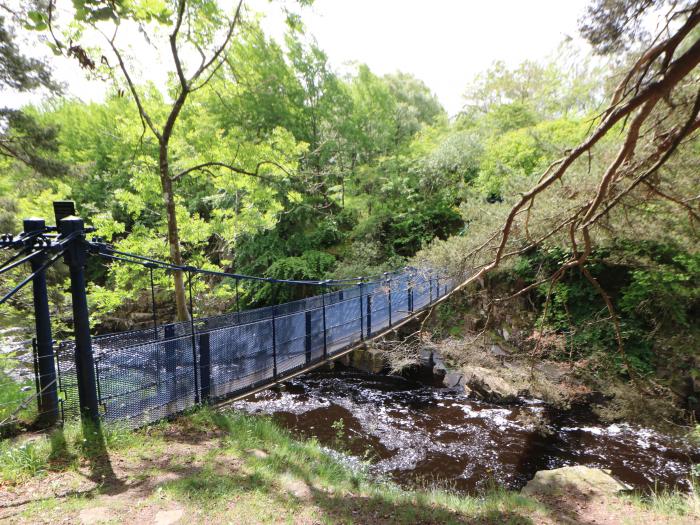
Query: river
{"type": "Point", "coordinates": [419, 434]}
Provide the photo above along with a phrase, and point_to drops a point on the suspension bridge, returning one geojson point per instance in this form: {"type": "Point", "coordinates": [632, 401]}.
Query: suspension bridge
{"type": "Point", "coordinates": [141, 376]}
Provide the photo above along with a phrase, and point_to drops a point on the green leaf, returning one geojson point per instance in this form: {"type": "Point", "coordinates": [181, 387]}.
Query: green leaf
{"type": "Point", "coordinates": [36, 17]}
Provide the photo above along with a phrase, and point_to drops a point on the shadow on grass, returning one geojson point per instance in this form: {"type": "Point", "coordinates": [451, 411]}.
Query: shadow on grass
{"type": "Point", "coordinates": [338, 495]}
{"type": "Point", "coordinates": [237, 476]}
{"type": "Point", "coordinates": [95, 451]}
{"type": "Point", "coordinates": [207, 489]}
{"type": "Point", "coordinates": [375, 509]}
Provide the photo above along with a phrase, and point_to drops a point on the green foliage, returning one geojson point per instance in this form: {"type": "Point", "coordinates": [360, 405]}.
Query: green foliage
{"type": "Point", "coordinates": [312, 265]}
{"type": "Point", "coordinates": [669, 502]}
{"type": "Point", "coordinates": [65, 448]}
{"type": "Point", "coordinates": [16, 400]}
{"type": "Point", "coordinates": [519, 153]}
{"type": "Point", "coordinates": [664, 293]}
{"type": "Point", "coordinates": [652, 303]}
{"type": "Point", "coordinates": [18, 71]}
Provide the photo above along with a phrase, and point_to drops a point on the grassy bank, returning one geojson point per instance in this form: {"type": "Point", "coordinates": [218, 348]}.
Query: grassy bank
{"type": "Point", "coordinates": [225, 467]}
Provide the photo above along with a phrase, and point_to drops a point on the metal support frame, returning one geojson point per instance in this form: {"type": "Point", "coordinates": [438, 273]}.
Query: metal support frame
{"type": "Point", "coordinates": [323, 302]}
{"type": "Point", "coordinates": [274, 331]}
{"type": "Point", "coordinates": [170, 349]}
{"type": "Point", "coordinates": [47, 391]}
{"type": "Point", "coordinates": [194, 342]}
{"type": "Point", "coordinates": [307, 340]}
{"type": "Point", "coordinates": [362, 312]}
{"type": "Point", "coordinates": [389, 299]}
{"type": "Point", "coordinates": [369, 315]}
{"type": "Point", "coordinates": [76, 258]}
{"type": "Point", "coordinates": [205, 366]}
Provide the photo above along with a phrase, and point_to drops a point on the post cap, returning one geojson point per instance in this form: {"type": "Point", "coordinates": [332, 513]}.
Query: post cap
{"type": "Point", "coordinates": [63, 209]}
{"type": "Point", "coordinates": [33, 224]}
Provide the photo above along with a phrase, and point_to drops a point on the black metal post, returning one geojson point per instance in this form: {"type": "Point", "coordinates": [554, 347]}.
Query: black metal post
{"type": "Point", "coordinates": [362, 314]}
{"type": "Point", "coordinates": [410, 295]}
{"type": "Point", "coordinates": [170, 349]}
{"type": "Point", "coordinates": [205, 365]}
{"type": "Point", "coordinates": [307, 341]}
{"type": "Point", "coordinates": [274, 333]}
{"type": "Point", "coordinates": [430, 283]}
{"type": "Point", "coordinates": [437, 284]}
{"type": "Point", "coordinates": [389, 281]}
{"type": "Point", "coordinates": [46, 370]}
{"type": "Point", "coordinates": [369, 315]}
{"type": "Point", "coordinates": [323, 302]}
{"type": "Point", "coordinates": [153, 303]}
{"type": "Point", "coordinates": [194, 343]}
{"type": "Point", "coordinates": [238, 304]}
{"type": "Point", "coordinates": [155, 327]}
{"type": "Point", "coordinates": [76, 258]}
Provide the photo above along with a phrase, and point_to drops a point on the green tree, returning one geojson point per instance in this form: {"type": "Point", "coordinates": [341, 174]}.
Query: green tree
{"type": "Point", "coordinates": [199, 27]}
{"type": "Point", "coordinates": [21, 136]}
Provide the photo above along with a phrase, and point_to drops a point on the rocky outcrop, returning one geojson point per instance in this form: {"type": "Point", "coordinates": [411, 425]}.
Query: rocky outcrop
{"type": "Point", "coordinates": [370, 360]}
{"type": "Point", "coordinates": [576, 479]}
{"type": "Point", "coordinates": [483, 383]}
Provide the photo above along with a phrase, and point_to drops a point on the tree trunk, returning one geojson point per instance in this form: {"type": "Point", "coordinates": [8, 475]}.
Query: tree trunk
{"type": "Point", "coordinates": [173, 235]}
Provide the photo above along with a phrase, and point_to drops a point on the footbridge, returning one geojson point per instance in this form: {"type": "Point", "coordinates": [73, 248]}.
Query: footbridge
{"type": "Point", "coordinates": [141, 376]}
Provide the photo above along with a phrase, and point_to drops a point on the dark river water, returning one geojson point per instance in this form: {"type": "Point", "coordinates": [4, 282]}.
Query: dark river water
{"type": "Point", "coordinates": [419, 435]}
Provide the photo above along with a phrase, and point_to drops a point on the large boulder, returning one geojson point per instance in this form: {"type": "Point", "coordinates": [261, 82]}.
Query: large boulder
{"type": "Point", "coordinates": [486, 384]}
{"type": "Point", "coordinates": [577, 479]}
{"type": "Point", "coordinates": [371, 360]}
{"type": "Point", "coordinates": [452, 379]}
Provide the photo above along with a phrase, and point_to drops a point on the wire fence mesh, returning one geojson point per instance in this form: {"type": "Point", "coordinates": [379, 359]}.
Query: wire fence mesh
{"type": "Point", "coordinates": [23, 387]}
{"type": "Point", "coordinates": [147, 375]}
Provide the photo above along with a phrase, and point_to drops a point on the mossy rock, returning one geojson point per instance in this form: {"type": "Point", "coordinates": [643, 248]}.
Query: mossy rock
{"type": "Point", "coordinates": [573, 480]}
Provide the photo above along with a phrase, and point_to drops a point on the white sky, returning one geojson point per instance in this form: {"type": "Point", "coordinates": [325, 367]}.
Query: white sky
{"type": "Point", "coordinates": [443, 42]}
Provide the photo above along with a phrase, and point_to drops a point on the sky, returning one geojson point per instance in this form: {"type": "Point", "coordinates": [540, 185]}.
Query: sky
{"type": "Point", "coordinates": [445, 43]}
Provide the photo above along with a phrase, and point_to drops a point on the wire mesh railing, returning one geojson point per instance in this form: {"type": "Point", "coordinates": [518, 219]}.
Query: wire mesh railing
{"type": "Point", "coordinates": [22, 386]}
{"type": "Point", "coordinates": [147, 375]}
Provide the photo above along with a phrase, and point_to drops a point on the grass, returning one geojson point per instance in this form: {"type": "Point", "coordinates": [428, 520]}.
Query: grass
{"type": "Point", "coordinates": [669, 502]}
{"type": "Point", "coordinates": [224, 466]}
{"type": "Point", "coordinates": [64, 449]}
{"type": "Point", "coordinates": [13, 395]}
{"type": "Point", "coordinates": [248, 464]}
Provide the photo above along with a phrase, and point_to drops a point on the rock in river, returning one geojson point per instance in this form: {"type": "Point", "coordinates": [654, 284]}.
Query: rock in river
{"type": "Point", "coordinates": [482, 383]}
{"type": "Point", "coordinates": [577, 479]}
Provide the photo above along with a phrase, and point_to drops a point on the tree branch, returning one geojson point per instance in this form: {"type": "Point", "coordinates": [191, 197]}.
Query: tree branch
{"type": "Point", "coordinates": [143, 114]}
{"type": "Point", "coordinates": [233, 168]}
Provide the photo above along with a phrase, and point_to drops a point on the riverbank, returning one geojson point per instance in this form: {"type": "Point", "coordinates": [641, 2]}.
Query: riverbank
{"type": "Point", "coordinates": [227, 467]}
{"type": "Point", "coordinates": [503, 350]}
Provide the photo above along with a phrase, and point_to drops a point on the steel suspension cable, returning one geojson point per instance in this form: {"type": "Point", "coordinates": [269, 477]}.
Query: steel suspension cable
{"type": "Point", "coordinates": [9, 265]}
{"type": "Point", "coordinates": [32, 275]}
{"type": "Point", "coordinates": [169, 266]}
